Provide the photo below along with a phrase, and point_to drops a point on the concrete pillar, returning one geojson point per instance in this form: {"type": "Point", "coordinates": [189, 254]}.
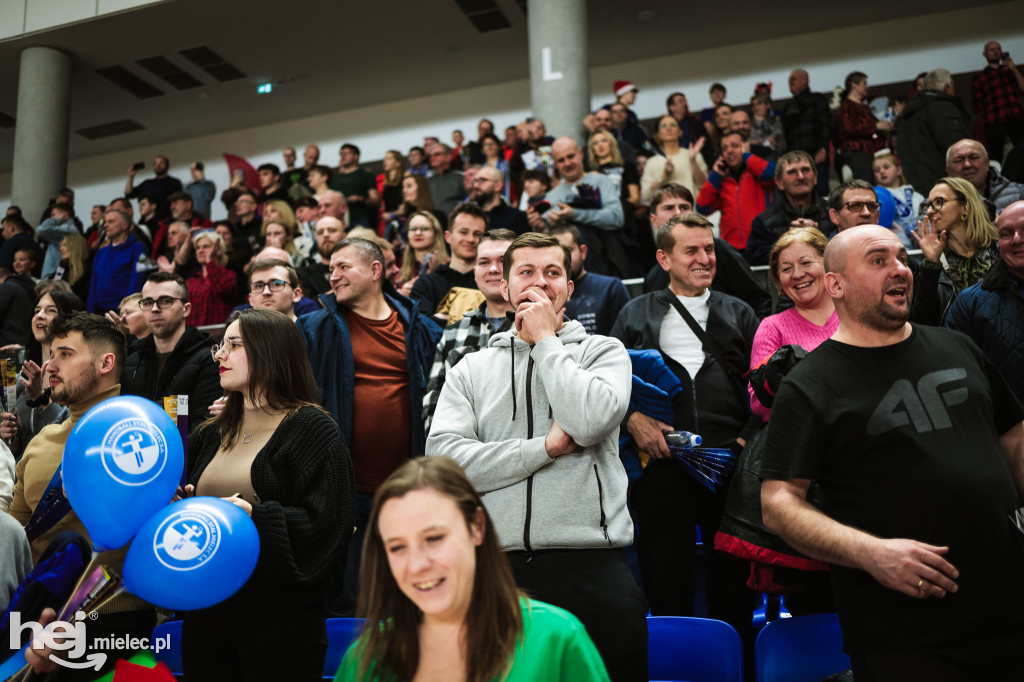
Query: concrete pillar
{"type": "Point", "coordinates": [559, 65]}
{"type": "Point", "coordinates": [41, 129]}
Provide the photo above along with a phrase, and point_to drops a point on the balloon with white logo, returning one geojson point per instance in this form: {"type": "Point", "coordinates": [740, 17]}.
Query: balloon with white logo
{"type": "Point", "coordinates": [192, 554]}
{"type": "Point", "coordinates": [122, 463]}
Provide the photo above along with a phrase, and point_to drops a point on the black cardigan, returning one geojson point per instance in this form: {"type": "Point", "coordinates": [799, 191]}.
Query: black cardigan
{"type": "Point", "coordinates": [304, 480]}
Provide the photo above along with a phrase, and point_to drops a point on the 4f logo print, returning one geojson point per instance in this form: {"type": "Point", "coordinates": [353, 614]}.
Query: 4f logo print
{"type": "Point", "coordinates": [925, 407]}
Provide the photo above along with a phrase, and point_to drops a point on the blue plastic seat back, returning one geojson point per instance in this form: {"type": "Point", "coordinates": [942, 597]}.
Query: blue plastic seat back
{"type": "Point", "coordinates": [694, 650]}
{"type": "Point", "coordinates": [804, 648]}
{"type": "Point", "coordinates": [341, 632]}
{"type": "Point", "coordinates": [171, 656]}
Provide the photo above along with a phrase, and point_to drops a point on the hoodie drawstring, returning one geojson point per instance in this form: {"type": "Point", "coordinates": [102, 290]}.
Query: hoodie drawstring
{"type": "Point", "coordinates": [512, 349]}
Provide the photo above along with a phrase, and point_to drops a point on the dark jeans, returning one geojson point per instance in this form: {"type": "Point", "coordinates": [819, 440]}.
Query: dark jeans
{"type": "Point", "coordinates": [594, 585]}
{"type": "Point", "coordinates": [823, 171]}
{"type": "Point", "coordinates": [993, 658]}
{"type": "Point", "coordinates": [996, 133]}
{"type": "Point", "coordinates": [669, 506]}
{"type": "Point", "coordinates": [344, 605]}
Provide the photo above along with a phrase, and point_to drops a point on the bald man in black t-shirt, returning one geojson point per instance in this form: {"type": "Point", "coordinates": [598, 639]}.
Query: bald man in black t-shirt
{"type": "Point", "coordinates": [917, 443]}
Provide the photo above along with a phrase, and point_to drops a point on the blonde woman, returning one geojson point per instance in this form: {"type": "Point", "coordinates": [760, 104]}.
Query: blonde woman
{"type": "Point", "coordinates": [75, 264]}
{"type": "Point", "coordinates": [212, 290]}
{"type": "Point", "coordinates": [604, 157]}
{"type": "Point", "coordinates": [971, 241]}
{"type": "Point", "coordinates": [426, 250]}
{"type": "Point", "coordinates": [277, 211]}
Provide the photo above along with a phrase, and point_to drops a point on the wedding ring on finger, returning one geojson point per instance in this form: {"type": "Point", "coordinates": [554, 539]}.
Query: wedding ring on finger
{"type": "Point", "coordinates": [920, 583]}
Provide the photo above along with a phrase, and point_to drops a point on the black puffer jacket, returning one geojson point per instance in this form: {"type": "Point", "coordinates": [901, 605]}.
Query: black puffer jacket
{"type": "Point", "coordinates": [190, 370]}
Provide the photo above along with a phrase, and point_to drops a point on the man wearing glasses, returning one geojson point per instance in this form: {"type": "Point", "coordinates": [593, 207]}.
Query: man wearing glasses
{"type": "Point", "coordinates": [274, 285]}
{"type": "Point", "coordinates": [175, 358]}
{"type": "Point", "coordinates": [855, 203]}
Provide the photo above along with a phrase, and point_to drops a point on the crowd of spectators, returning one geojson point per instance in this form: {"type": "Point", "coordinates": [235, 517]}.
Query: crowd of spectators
{"type": "Point", "coordinates": [484, 245]}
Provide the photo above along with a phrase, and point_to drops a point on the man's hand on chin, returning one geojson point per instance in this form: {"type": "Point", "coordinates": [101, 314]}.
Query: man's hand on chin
{"type": "Point", "coordinates": [536, 318]}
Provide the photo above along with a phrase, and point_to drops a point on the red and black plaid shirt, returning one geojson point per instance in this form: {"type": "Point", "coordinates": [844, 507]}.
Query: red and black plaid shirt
{"type": "Point", "coordinates": [212, 297]}
{"type": "Point", "coordinates": [995, 95]}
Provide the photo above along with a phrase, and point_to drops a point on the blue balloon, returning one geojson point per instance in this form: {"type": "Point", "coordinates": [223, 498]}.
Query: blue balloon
{"type": "Point", "coordinates": [192, 554]}
{"type": "Point", "coordinates": [887, 209]}
{"type": "Point", "coordinates": [122, 463]}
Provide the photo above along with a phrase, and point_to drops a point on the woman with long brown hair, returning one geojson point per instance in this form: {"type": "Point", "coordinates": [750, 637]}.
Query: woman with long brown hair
{"type": "Point", "coordinates": [274, 453]}
{"type": "Point", "coordinates": [439, 598]}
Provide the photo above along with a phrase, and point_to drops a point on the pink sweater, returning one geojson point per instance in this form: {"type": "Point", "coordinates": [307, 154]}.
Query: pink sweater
{"type": "Point", "coordinates": [776, 331]}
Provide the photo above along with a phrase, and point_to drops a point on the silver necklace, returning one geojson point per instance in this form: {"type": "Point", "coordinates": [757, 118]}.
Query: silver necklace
{"type": "Point", "coordinates": [247, 437]}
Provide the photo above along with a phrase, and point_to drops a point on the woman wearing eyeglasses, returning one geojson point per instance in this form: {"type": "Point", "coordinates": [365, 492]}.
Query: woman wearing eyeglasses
{"type": "Point", "coordinates": [426, 250]}
{"type": "Point", "coordinates": [213, 289]}
{"type": "Point", "coordinates": [970, 241]}
{"type": "Point", "coordinates": [275, 454]}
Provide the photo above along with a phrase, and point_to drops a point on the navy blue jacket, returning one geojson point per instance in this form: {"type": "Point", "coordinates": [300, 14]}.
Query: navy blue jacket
{"type": "Point", "coordinates": [326, 337]}
{"type": "Point", "coordinates": [992, 313]}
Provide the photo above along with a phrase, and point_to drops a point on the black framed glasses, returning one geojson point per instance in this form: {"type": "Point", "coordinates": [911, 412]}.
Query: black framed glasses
{"type": "Point", "coordinates": [274, 284]}
{"type": "Point", "coordinates": [858, 206]}
{"type": "Point", "coordinates": [162, 303]}
{"type": "Point", "coordinates": [227, 346]}
{"type": "Point", "coordinates": [937, 203]}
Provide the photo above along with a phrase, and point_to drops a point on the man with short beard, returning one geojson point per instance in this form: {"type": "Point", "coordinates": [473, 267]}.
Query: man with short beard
{"type": "Point", "coordinates": [486, 193]}
{"type": "Point", "coordinates": [881, 417]}
{"type": "Point", "coordinates": [315, 271]}
{"type": "Point", "coordinates": [87, 355]}
{"type": "Point", "coordinates": [175, 358]}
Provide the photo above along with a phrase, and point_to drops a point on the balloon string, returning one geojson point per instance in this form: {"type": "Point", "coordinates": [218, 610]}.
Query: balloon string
{"type": "Point", "coordinates": [81, 579]}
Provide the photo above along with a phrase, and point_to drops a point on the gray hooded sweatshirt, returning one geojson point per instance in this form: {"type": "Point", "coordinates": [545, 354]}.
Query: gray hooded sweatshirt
{"type": "Point", "coordinates": [492, 417]}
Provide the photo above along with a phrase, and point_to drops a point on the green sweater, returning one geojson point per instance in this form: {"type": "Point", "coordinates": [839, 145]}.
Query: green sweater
{"type": "Point", "coordinates": [555, 648]}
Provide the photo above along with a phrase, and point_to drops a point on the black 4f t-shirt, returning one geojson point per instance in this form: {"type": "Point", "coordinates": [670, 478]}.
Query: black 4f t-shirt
{"type": "Point", "coordinates": [904, 441]}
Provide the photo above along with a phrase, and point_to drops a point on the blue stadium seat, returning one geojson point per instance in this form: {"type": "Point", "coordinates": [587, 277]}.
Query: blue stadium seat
{"type": "Point", "coordinates": [341, 632]}
{"type": "Point", "coordinates": [693, 649]}
{"type": "Point", "coordinates": [170, 657]}
{"type": "Point", "coordinates": [800, 649]}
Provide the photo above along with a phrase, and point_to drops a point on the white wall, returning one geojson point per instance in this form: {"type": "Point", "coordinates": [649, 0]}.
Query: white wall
{"type": "Point", "coordinates": [890, 51]}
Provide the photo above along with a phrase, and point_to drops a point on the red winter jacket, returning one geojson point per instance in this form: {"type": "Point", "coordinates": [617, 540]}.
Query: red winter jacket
{"type": "Point", "coordinates": [739, 200]}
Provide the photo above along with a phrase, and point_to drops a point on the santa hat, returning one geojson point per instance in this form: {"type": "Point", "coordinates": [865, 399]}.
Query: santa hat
{"type": "Point", "coordinates": [622, 87]}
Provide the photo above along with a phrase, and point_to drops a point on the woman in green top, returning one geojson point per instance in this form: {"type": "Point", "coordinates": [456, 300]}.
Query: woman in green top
{"type": "Point", "coordinates": [439, 598]}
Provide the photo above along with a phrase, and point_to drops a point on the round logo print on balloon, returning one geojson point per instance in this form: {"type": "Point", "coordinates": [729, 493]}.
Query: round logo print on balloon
{"type": "Point", "coordinates": [186, 540]}
{"type": "Point", "coordinates": [133, 452]}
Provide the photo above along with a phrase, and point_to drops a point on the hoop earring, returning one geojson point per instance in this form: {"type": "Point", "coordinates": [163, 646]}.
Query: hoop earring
{"type": "Point", "coordinates": [963, 216]}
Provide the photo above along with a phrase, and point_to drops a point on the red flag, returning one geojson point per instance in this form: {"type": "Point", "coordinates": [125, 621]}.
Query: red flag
{"type": "Point", "coordinates": [236, 164]}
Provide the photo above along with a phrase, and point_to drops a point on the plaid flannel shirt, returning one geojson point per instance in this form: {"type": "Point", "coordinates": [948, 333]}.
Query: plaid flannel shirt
{"type": "Point", "coordinates": [466, 336]}
{"type": "Point", "coordinates": [806, 120]}
{"type": "Point", "coordinates": [995, 95]}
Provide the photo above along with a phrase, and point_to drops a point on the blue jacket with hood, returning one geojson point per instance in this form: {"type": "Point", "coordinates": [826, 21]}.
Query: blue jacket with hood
{"type": "Point", "coordinates": [326, 337]}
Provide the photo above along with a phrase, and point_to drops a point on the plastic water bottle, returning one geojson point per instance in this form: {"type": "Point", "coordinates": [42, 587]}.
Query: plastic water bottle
{"type": "Point", "coordinates": [682, 439]}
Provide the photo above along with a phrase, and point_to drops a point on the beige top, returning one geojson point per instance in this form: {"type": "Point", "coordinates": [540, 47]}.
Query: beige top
{"type": "Point", "coordinates": [229, 472]}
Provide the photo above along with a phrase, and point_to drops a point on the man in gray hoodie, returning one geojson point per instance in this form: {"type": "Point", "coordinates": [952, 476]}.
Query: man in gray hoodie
{"type": "Point", "coordinates": [544, 452]}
